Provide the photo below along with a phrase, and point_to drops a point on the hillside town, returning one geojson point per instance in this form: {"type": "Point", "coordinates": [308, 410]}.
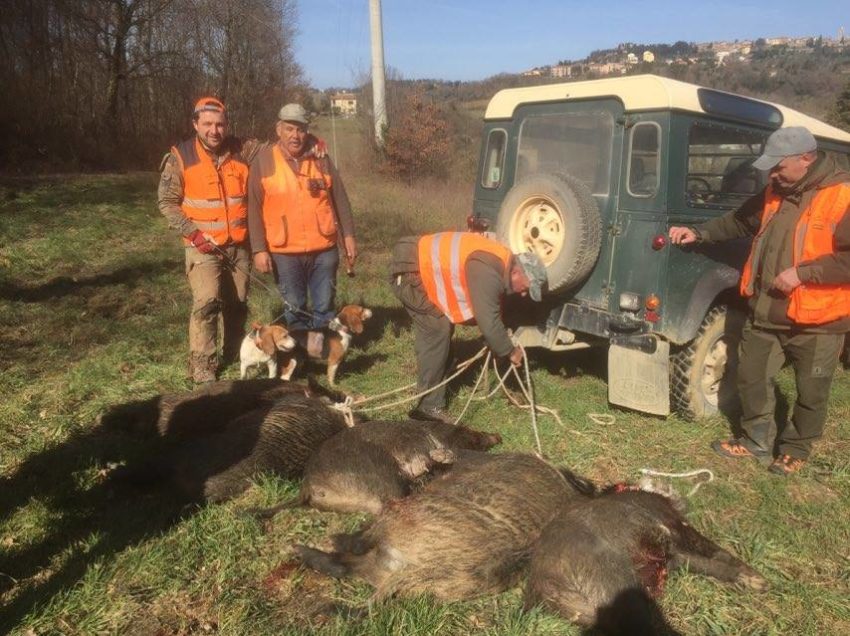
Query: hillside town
{"type": "Point", "coordinates": [628, 56]}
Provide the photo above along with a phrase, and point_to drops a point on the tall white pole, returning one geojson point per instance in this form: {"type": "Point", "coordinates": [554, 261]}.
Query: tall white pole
{"type": "Point", "coordinates": [378, 91]}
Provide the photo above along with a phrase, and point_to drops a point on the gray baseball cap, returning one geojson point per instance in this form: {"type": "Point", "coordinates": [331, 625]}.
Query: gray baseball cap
{"type": "Point", "coordinates": [293, 112]}
{"type": "Point", "coordinates": [785, 142]}
{"type": "Point", "coordinates": [536, 273]}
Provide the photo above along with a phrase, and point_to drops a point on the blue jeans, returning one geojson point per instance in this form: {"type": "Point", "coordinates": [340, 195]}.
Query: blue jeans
{"type": "Point", "coordinates": [296, 274]}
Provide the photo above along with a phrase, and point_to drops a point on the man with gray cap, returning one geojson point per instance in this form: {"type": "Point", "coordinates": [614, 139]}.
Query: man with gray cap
{"type": "Point", "coordinates": [297, 206]}
{"type": "Point", "coordinates": [797, 285]}
{"type": "Point", "coordinates": [450, 278]}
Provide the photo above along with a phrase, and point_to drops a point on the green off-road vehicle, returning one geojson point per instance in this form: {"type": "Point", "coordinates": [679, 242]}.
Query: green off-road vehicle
{"type": "Point", "coordinates": [590, 176]}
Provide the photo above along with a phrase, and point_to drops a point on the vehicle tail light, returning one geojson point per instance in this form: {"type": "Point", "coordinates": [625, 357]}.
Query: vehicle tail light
{"type": "Point", "coordinates": [653, 302]}
{"type": "Point", "coordinates": [476, 223]}
{"type": "Point", "coordinates": [629, 301]}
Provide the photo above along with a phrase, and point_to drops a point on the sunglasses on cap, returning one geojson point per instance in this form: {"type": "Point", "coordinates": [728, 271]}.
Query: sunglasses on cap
{"type": "Point", "coordinates": [209, 104]}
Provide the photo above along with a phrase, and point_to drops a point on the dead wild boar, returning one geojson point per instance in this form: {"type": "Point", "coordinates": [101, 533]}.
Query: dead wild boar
{"type": "Point", "coordinates": [204, 410]}
{"type": "Point", "coordinates": [362, 468]}
{"type": "Point", "coordinates": [277, 438]}
{"type": "Point", "coordinates": [601, 560]}
{"type": "Point", "coordinates": [412, 442]}
{"type": "Point", "coordinates": [469, 532]}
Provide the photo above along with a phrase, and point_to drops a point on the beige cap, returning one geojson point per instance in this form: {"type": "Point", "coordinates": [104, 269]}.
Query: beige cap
{"type": "Point", "coordinates": [293, 112]}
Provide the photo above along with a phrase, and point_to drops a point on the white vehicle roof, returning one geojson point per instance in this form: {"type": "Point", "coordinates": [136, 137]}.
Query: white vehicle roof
{"type": "Point", "coordinates": [640, 92]}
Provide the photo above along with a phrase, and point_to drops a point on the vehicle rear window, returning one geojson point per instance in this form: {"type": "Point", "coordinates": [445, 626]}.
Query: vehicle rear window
{"type": "Point", "coordinates": [644, 158]}
{"type": "Point", "coordinates": [577, 144]}
{"type": "Point", "coordinates": [494, 159]}
{"type": "Point", "coordinates": [720, 171]}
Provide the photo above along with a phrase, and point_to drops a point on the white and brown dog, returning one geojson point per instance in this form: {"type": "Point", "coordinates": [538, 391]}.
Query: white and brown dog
{"type": "Point", "coordinates": [329, 345]}
{"type": "Point", "coordinates": [261, 346]}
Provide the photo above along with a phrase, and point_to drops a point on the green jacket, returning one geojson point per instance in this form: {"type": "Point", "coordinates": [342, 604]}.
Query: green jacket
{"type": "Point", "coordinates": [774, 251]}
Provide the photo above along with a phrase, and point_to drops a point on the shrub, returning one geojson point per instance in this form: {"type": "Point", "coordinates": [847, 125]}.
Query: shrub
{"type": "Point", "coordinates": [419, 138]}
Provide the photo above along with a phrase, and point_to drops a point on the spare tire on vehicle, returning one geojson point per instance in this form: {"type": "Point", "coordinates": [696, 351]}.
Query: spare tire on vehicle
{"type": "Point", "coordinates": [555, 216]}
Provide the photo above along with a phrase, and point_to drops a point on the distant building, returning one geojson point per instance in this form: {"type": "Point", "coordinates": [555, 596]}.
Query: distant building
{"type": "Point", "coordinates": [648, 56]}
{"type": "Point", "coordinates": [561, 70]}
{"type": "Point", "coordinates": [534, 72]}
{"type": "Point", "coordinates": [631, 58]}
{"type": "Point", "coordinates": [344, 103]}
{"type": "Point", "coordinates": [606, 68]}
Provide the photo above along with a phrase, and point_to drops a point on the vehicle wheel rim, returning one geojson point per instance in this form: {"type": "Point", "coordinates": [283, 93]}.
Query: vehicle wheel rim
{"type": "Point", "coordinates": [538, 226]}
{"type": "Point", "coordinates": [712, 371]}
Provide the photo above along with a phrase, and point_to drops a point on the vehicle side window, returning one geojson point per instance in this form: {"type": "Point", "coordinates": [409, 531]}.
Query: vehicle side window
{"type": "Point", "coordinates": [720, 170]}
{"type": "Point", "coordinates": [577, 144]}
{"type": "Point", "coordinates": [644, 159]}
{"type": "Point", "coordinates": [494, 159]}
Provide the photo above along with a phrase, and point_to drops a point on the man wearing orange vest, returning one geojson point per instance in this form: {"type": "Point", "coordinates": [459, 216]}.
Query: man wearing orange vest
{"type": "Point", "coordinates": [451, 278]}
{"type": "Point", "coordinates": [203, 194]}
{"type": "Point", "coordinates": [797, 284]}
{"type": "Point", "coordinates": [298, 206]}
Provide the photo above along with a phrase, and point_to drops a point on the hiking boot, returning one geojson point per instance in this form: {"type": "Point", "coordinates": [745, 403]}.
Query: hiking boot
{"type": "Point", "coordinates": [737, 448]}
{"type": "Point", "coordinates": [785, 465]}
{"type": "Point", "coordinates": [202, 368]}
{"type": "Point", "coordinates": [431, 415]}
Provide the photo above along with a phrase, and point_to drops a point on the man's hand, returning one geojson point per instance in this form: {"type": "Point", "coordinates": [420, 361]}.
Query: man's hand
{"type": "Point", "coordinates": [682, 235]}
{"type": "Point", "coordinates": [202, 242]}
{"type": "Point", "coordinates": [787, 281]}
{"type": "Point", "coordinates": [516, 356]}
{"type": "Point", "coordinates": [350, 250]}
{"type": "Point", "coordinates": [263, 262]}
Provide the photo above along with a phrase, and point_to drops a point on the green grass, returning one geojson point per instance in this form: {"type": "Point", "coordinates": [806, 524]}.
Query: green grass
{"type": "Point", "coordinates": [93, 311]}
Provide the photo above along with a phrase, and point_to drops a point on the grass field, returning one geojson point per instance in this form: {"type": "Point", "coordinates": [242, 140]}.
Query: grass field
{"type": "Point", "coordinates": [93, 313]}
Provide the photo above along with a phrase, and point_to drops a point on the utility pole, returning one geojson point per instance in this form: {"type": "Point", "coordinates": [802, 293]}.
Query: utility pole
{"type": "Point", "coordinates": [378, 91]}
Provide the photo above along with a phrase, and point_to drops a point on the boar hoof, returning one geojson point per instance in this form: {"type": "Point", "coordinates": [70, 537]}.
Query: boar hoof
{"type": "Point", "coordinates": [442, 456]}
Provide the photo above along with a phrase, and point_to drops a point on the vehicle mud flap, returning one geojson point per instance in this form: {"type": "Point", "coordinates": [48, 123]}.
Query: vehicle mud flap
{"type": "Point", "coordinates": [639, 380]}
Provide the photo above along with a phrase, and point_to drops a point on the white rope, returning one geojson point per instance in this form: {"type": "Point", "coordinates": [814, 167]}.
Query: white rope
{"type": "Point", "coordinates": [460, 369]}
{"type": "Point", "coordinates": [345, 409]}
{"type": "Point", "coordinates": [603, 419]}
{"type": "Point", "coordinates": [475, 387]}
{"type": "Point", "coordinates": [649, 472]}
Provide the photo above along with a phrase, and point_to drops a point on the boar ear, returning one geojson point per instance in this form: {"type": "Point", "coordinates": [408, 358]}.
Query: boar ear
{"type": "Point", "coordinates": [266, 342]}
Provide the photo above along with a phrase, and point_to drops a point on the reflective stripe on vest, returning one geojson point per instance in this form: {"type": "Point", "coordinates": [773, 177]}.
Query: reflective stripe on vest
{"type": "Point", "coordinates": [214, 198]}
{"type": "Point", "coordinates": [296, 219]}
{"type": "Point", "coordinates": [442, 267]}
{"type": "Point", "coordinates": [814, 236]}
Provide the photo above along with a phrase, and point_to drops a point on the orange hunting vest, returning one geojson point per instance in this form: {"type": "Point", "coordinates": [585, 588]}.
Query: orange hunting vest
{"type": "Point", "coordinates": [295, 219]}
{"type": "Point", "coordinates": [215, 199]}
{"type": "Point", "coordinates": [810, 303]}
{"type": "Point", "coordinates": [442, 267]}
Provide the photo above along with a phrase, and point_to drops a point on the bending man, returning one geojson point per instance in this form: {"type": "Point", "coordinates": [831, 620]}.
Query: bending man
{"type": "Point", "coordinates": [458, 277]}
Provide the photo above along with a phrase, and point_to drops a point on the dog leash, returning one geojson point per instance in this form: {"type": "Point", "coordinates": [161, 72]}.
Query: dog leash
{"type": "Point", "coordinates": [259, 281]}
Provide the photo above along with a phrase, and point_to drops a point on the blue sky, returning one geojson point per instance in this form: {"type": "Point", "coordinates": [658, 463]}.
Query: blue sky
{"type": "Point", "coordinates": [473, 39]}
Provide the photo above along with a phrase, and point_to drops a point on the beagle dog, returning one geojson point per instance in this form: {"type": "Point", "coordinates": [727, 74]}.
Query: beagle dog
{"type": "Point", "coordinates": [261, 345]}
{"type": "Point", "coordinates": [329, 345]}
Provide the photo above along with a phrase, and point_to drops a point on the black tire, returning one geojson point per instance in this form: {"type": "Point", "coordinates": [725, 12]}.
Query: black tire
{"type": "Point", "coordinates": [556, 216]}
{"type": "Point", "coordinates": [703, 372]}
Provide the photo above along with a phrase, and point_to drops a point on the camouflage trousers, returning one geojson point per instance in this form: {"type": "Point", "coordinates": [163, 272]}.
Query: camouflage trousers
{"type": "Point", "coordinates": [219, 292]}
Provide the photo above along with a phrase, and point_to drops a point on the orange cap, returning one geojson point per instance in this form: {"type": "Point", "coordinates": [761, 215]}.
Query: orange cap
{"type": "Point", "coordinates": [209, 103]}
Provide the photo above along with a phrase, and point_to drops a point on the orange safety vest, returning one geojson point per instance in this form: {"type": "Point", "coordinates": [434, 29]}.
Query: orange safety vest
{"type": "Point", "coordinates": [442, 267]}
{"type": "Point", "coordinates": [814, 236]}
{"type": "Point", "coordinates": [297, 220]}
{"type": "Point", "coordinates": [215, 199]}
